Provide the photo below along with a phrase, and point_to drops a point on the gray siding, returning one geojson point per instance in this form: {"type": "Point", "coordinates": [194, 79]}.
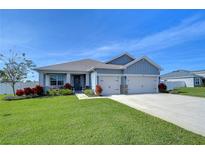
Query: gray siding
{"type": "Point", "coordinates": [123, 80]}
{"type": "Point", "coordinates": [142, 67]}
{"type": "Point", "coordinates": [121, 60]}
{"type": "Point", "coordinates": [108, 71]}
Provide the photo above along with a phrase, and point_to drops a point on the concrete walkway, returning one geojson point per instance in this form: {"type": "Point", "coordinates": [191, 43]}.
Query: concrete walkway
{"type": "Point", "coordinates": [82, 96]}
{"type": "Point", "coordinates": [185, 111]}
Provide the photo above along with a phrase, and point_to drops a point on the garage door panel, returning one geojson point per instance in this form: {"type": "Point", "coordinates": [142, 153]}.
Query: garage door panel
{"type": "Point", "coordinates": [142, 84]}
{"type": "Point", "coordinates": [110, 84]}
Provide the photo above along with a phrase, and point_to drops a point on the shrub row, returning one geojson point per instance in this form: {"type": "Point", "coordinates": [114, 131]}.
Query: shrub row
{"type": "Point", "coordinates": [38, 90]}
{"type": "Point", "coordinates": [59, 92]}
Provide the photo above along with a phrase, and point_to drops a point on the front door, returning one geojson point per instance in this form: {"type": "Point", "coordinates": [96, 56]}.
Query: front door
{"type": "Point", "coordinates": [77, 84]}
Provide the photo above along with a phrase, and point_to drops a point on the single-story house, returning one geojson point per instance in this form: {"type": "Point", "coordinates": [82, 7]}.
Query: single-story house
{"type": "Point", "coordinates": [189, 78]}
{"type": "Point", "coordinates": [123, 74]}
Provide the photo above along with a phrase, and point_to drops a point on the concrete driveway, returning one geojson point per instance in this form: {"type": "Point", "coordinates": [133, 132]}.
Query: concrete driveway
{"type": "Point", "coordinates": [185, 111]}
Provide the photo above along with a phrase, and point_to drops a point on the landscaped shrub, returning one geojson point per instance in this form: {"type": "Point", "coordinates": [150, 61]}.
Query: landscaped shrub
{"type": "Point", "coordinates": [39, 90]}
{"type": "Point", "coordinates": [98, 90]}
{"type": "Point", "coordinates": [19, 92]}
{"type": "Point", "coordinates": [162, 87]}
{"type": "Point", "coordinates": [27, 91]}
{"type": "Point", "coordinates": [33, 91]}
{"type": "Point", "coordinates": [88, 92]}
{"type": "Point", "coordinates": [67, 86]}
{"type": "Point", "coordinates": [65, 92]}
{"type": "Point", "coordinates": [53, 92]}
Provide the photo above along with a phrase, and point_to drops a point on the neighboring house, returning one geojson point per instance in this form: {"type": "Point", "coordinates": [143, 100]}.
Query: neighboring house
{"type": "Point", "coordinates": [200, 73]}
{"type": "Point", "coordinates": [184, 77]}
{"type": "Point", "coordinates": [121, 75]}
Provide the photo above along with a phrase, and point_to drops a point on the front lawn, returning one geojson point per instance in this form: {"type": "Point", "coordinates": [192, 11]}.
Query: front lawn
{"type": "Point", "coordinates": [66, 120]}
{"type": "Point", "coordinates": [195, 91]}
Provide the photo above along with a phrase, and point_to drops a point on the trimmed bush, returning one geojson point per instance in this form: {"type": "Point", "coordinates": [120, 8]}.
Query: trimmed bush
{"type": "Point", "coordinates": [67, 86]}
{"type": "Point", "coordinates": [19, 92]}
{"type": "Point", "coordinates": [39, 90]}
{"type": "Point", "coordinates": [162, 88]}
{"type": "Point", "coordinates": [33, 91]}
{"type": "Point", "coordinates": [53, 92]}
{"type": "Point", "coordinates": [65, 92]}
{"type": "Point", "coordinates": [98, 90]}
{"type": "Point", "coordinates": [57, 92]}
{"type": "Point", "coordinates": [88, 92]}
{"type": "Point", "coordinates": [27, 91]}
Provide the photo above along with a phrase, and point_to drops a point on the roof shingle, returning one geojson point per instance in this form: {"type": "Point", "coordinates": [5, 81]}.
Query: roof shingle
{"type": "Point", "coordinates": [80, 65]}
{"type": "Point", "coordinates": [178, 74]}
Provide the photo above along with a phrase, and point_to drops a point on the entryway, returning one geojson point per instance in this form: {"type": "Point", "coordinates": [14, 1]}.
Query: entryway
{"type": "Point", "coordinates": [78, 82]}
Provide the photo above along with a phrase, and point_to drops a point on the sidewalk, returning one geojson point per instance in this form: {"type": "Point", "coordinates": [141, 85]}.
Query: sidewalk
{"type": "Point", "coordinates": [83, 96]}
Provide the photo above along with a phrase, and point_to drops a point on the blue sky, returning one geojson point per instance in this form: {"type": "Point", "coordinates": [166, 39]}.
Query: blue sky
{"type": "Point", "coordinates": [175, 39]}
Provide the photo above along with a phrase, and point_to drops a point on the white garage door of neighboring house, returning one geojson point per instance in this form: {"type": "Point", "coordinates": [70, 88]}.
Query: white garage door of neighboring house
{"type": "Point", "coordinates": [110, 84]}
{"type": "Point", "coordinates": [142, 84]}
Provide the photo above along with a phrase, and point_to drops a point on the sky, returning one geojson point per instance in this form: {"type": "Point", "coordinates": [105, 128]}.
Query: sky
{"type": "Point", "coordinates": [174, 39]}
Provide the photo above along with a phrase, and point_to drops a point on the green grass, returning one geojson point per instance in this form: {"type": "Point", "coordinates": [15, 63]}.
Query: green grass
{"type": "Point", "coordinates": [66, 120]}
{"type": "Point", "coordinates": [196, 91]}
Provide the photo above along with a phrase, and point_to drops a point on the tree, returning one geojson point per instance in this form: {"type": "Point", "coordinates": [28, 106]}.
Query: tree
{"type": "Point", "coordinates": [15, 68]}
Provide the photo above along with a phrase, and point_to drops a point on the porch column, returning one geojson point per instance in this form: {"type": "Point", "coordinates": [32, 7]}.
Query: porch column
{"type": "Point", "coordinates": [68, 78]}
{"type": "Point", "coordinates": [47, 82]}
{"type": "Point", "coordinates": [87, 80]}
{"type": "Point", "coordinates": [41, 78]}
{"type": "Point", "coordinates": [72, 80]}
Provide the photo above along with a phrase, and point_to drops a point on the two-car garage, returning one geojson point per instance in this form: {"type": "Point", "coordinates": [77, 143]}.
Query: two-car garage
{"type": "Point", "coordinates": [134, 83]}
{"type": "Point", "coordinates": [138, 76]}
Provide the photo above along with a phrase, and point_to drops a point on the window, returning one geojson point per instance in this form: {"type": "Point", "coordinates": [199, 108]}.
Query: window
{"type": "Point", "coordinates": [57, 79]}
{"type": "Point", "coordinates": [197, 81]}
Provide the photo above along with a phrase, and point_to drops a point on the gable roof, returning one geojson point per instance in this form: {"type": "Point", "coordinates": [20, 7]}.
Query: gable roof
{"type": "Point", "coordinates": [143, 57]}
{"type": "Point", "coordinates": [179, 74]}
{"type": "Point", "coordinates": [80, 65]}
{"type": "Point", "coordinates": [116, 57]}
{"type": "Point", "coordinates": [86, 65]}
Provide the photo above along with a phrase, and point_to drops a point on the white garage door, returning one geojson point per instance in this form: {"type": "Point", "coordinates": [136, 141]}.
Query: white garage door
{"type": "Point", "coordinates": [142, 84]}
{"type": "Point", "coordinates": [110, 84]}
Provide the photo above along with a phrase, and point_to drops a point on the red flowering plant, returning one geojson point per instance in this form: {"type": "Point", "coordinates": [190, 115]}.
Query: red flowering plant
{"type": "Point", "coordinates": [27, 91]}
{"type": "Point", "coordinates": [33, 91]}
{"type": "Point", "coordinates": [39, 90]}
{"type": "Point", "coordinates": [67, 86]}
{"type": "Point", "coordinates": [98, 90]}
{"type": "Point", "coordinates": [19, 92]}
{"type": "Point", "coordinates": [162, 87]}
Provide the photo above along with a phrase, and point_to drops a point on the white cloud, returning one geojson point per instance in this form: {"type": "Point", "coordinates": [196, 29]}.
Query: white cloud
{"type": "Point", "coordinates": [188, 30]}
